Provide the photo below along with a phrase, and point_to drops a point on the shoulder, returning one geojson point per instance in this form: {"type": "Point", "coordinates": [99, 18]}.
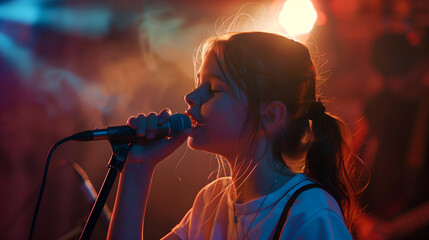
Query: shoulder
{"type": "Point", "coordinates": [310, 198]}
{"type": "Point", "coordinates": [316, 199]}
{"type": "Point", "coordinates": [213, 192]}
{"type": "Point", "coordinates": [316, 212]}
{"type": "Point", "coordinates": [309, 201]}
{"type": "Point", "coordinates": [218, 184]}
{"type": "Point", "coordinates": [210, 200]}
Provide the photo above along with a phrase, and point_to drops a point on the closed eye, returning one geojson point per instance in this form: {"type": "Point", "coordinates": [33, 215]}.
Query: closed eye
{"type": "Point", "coordinates": [213, 91]}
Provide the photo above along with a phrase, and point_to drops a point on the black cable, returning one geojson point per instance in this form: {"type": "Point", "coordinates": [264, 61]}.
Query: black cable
{"type": "Point", "coordinates": [42, 187]}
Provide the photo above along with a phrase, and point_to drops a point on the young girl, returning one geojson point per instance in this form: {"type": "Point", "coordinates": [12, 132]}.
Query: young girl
{"type": "Point", "coordinates": [254, 105]}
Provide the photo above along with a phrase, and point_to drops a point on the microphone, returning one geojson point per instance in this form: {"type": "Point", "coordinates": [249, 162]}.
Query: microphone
{"type": "Point", "coordinates": [172, 128]}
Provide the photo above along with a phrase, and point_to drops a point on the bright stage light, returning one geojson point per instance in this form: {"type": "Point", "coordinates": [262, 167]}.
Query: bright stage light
{"type": "Point", "coordinates": [297, 17]}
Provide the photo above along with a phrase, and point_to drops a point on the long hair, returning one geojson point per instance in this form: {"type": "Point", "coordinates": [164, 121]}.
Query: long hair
{"type": "Point", "coordinates": [267, 67]}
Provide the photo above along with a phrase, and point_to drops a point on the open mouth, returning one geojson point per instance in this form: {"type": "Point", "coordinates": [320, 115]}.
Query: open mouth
{"type": "Point", "coordinates": [195, 123]}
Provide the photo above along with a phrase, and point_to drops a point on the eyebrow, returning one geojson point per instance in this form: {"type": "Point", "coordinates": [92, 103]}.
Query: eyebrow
{"type": "Point", "coordinates": [210, 75]}
{"type": "Point", "coordinates": [213, 75]}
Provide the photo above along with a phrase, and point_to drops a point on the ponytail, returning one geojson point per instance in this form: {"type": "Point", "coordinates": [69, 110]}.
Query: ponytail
{"type": "Point", "coordinates": [330, 162]}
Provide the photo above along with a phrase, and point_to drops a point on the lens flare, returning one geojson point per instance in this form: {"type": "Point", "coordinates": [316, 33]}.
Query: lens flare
{"type": "Point", "coordinates": [297, 17]}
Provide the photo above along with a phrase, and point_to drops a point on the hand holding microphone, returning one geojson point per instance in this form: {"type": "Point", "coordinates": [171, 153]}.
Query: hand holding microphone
{"type": "Point", "coordinates": [148, 127]}
{"type": "Point", "coordinates": [154, 135]}
{"type": "Point", "coordinates": [153, 125]}
{"type": "Point", "coordinates": [135, 132]}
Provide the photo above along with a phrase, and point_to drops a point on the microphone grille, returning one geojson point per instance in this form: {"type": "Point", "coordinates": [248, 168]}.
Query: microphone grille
{"type": "Point", "coordinates": [179, 122]}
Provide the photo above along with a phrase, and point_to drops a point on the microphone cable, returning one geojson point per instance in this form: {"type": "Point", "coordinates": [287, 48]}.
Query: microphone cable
{"type": "Point", "coordinates": [42, 187]}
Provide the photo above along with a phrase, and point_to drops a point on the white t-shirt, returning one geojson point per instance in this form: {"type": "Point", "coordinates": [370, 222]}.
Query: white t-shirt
{"type": "Point", "coordinates": [314, 215]}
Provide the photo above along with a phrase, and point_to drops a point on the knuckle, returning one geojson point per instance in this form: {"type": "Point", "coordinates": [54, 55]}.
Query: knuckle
{"type": "Point", "coordinates": [164, 116]}
{"type": "Point", "coordinates": [152, 115]}
{"type": "Point", "coordinates": [131, 121]}
{"type": "Point", "coordinates": [166, 110]}
{"type": "Point", "coordinates": [141, 116]}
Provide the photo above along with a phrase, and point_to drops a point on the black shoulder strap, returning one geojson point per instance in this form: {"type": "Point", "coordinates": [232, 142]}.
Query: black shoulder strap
{"type": "Point", "coordinates": [289, 203]}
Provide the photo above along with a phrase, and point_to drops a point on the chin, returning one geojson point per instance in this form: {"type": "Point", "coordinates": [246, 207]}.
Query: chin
{"type": "Point", "coordinates": [198, 145]}
{"type": "Point", "coordinates": [195, 144]}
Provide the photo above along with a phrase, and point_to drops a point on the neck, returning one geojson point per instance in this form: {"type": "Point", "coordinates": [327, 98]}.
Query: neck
{"type": "Point", "coordinates": [257, 175]}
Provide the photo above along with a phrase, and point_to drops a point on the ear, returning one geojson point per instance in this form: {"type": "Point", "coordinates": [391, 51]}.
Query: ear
{"type": "Point", "coordinates": [273, 116]}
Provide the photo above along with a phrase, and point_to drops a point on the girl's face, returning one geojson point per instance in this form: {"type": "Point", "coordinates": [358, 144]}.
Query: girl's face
{"type": "Point", "coordinates": [217, 115]}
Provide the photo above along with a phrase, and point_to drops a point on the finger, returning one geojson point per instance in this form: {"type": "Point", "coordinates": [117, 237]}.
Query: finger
{"type": "Point", "coordinates": [156, 150]}
{"type": "Point", "coordinates": [167, 145]}
{"type": "Point", "coordinates": [132, 122]}
{"type": "Point", "coordinates": [152, 125]}
{"type": "Point", "coordinates": [141, 125]}
{"type": "Point", "coordinates": [164, 116]}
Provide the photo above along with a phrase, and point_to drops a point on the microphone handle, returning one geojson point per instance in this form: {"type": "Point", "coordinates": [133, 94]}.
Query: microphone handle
{"type": "Point", "coordinates": [126, 134]}
{"type": "Point", "coordinates": [176, 124]}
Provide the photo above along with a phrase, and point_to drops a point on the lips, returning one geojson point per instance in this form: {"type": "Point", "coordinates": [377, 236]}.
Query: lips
{"type": "Point", "coordinates": [194, 122]}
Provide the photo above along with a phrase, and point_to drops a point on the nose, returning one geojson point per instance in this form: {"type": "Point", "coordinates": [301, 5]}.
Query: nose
{"type": "Point", "coordinates": [190, 99]}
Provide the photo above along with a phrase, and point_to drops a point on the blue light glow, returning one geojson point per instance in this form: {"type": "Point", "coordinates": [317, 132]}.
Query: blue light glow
{"type": "Point", "coordinates": [20, 12]}
{"type": "Point", "coordinates": [91, 21]}
{"type": "Point", "coordinates": [17, 57]}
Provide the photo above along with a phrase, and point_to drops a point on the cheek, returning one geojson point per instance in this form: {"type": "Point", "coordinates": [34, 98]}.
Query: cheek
{"type": "Point", "coordinates": [222, 127]}
{"type": "Point", "coordinates": [224, 120]}
{"type": "Point", "coordinates": [224, 113]}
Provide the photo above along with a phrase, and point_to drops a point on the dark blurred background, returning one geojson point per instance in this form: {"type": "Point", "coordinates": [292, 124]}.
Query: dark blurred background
{"type": "Point", "coordinates": [68, 66]}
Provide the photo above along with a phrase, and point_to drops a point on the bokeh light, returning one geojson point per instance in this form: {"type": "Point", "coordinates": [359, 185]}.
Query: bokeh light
{"type": "Point", "coordinates": [297, 17]}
